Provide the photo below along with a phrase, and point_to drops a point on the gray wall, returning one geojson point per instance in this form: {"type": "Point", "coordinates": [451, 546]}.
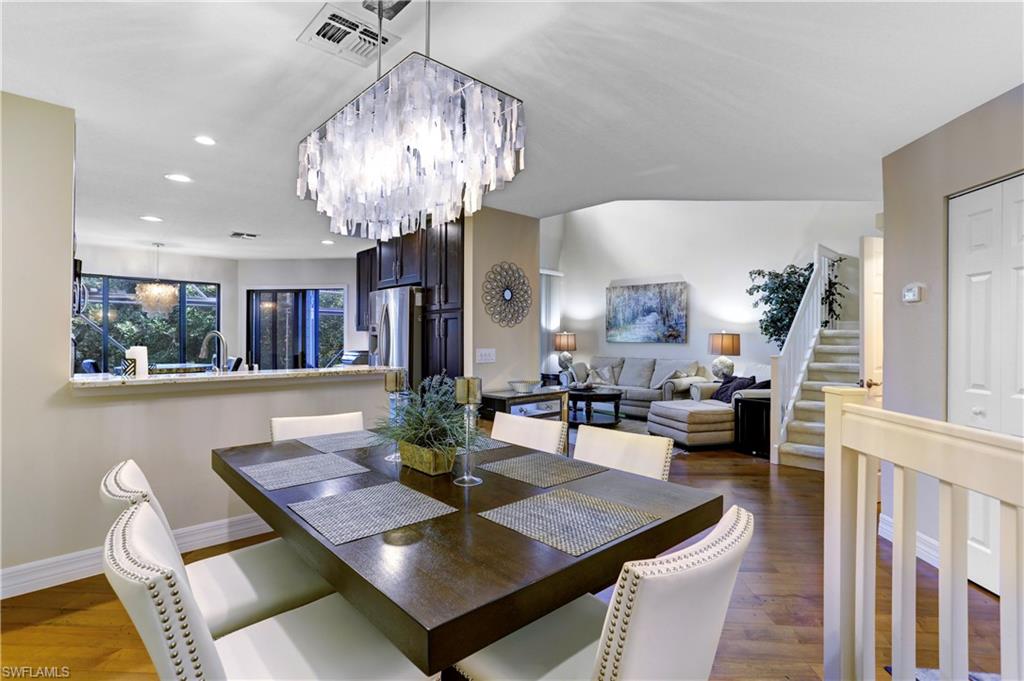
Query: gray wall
{"type": "Point", "coordinates": [980, 146]}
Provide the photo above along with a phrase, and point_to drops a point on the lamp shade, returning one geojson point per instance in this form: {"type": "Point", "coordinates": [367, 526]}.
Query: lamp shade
{"type": "Point", "coordinates": [724, 343]}
{"type": "Point", "coordinates": [565, 341]}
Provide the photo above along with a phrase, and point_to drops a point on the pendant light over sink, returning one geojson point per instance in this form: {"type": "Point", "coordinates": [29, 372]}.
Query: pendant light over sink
{"type": "Point", "coordinates": [157, 297]}
{"type": "Point", "coordinates": [424, 140]}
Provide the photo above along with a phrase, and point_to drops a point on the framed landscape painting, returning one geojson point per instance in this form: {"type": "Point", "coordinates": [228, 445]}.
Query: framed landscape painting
{"type": "Point", "coordinates": [646, 313]}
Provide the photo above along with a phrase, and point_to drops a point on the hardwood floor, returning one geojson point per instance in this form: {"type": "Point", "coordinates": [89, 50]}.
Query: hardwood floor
{"type": "Point", "coordinates": [773, 629]}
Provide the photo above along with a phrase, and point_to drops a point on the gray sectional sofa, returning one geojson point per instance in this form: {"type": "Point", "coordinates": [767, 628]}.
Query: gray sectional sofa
{"type": "Point", "coordinates": [642, 381]}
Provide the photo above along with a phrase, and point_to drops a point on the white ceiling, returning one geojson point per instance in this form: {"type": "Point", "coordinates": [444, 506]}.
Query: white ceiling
{"type": "Point", "coordinates": [623, 101]}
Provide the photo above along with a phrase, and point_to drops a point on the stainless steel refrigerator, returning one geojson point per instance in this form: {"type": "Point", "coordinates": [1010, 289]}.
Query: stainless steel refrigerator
{"type": "Point", "coordinates": [396, 323]}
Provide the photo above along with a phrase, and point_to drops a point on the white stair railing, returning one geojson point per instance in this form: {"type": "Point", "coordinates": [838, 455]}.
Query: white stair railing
{"type": "Point", "coordinates": [789, 368]}
{"type": "Point", "coordinates": [857, 438]}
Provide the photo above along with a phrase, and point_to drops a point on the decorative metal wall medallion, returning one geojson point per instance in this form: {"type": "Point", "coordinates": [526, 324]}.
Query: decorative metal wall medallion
{"type": "Point", "coordinates": [507, 294]}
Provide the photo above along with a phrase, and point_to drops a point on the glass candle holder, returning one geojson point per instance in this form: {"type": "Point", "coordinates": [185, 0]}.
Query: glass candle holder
{"type": "Point", "coordinates": [394, 383]}
{"type": "Point", "coordinates": [467, 479]}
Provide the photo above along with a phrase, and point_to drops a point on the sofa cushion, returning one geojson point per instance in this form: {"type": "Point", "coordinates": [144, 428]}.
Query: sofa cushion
{"type": "Point", "coordinates": [636, 372]}
{"type": "Point", "coordinates": [601, 376]}
{"type": "Point", "coordinates": [642, 394]}
{"type": "Point", "coordinates": [665, 369]}
{"type": "Point", "coordinates": [615, 363]}
{"type": "Point", "coordinates": [580, 371]}
{"type": "Point", "coordinates": [691, 411]}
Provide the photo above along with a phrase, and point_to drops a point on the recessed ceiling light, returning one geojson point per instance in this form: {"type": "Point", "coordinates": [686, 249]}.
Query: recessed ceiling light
{"type": "Point", "coordinates": [205, 140]}
{"type": "Point", "coordinates": [150, 218]}
{"type": "Point", "coordinates": [177, 177]}
{"type": "Point", "coordinates": [327, 242]}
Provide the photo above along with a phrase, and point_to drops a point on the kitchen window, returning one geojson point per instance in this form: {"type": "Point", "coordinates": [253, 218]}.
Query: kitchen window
{"type": "Point", "coordinates": [113, 320]}
{"type": "Point", "coordinates": [295, 328]}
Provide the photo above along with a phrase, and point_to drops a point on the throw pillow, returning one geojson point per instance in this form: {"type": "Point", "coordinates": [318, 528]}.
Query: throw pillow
{"type": "Point", "coordinates": [762, 385]}
{"type": "Point", "coordinates": [658, 381]}
{"type": "Point", "coordinates": [730, 385]}
{"type": "Point", "coordinates": [601, 376]}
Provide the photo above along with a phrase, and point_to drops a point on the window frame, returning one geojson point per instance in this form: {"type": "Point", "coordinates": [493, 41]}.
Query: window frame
{"type": "Point", "coordinates": [182, 309]}
{"type": "Point", "coordinates": [306, 329]}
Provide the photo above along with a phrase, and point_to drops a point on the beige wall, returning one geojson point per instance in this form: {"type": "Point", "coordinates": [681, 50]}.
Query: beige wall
{"type": "Point", "coordinates": [980, 146]}
{"type": "Point", "coordinates": [55, 445]}
{"type": "Point", "coordinates": [494, 236]}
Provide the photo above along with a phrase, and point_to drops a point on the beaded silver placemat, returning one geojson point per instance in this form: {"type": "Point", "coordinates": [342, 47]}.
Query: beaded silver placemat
{"type": "Point", "coordinates": [570, 521]}
{"type": "Point", "coordinates": [299, 471]}
{"type": "Point", "coordinates": [543, 470]}
{"type": "Point", "coordinates": [338, 442]}
{"type": "Point", "coordinates": [371, 510]}
{"type": "Point", "coordinates": [484, 443]}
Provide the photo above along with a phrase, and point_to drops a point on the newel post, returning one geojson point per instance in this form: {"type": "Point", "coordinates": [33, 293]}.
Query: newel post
{"type": "Point", "coordinates": [840, 540]}
{"type": "Point", "coordinates": [775, 412]}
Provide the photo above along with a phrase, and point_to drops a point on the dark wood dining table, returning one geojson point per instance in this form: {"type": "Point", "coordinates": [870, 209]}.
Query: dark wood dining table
{"type": "Point", "coordinates": [444, 588]}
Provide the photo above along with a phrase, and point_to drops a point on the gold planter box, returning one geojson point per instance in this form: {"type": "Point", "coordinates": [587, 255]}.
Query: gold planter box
{"type": "Point", "coordinates": [429, 461]}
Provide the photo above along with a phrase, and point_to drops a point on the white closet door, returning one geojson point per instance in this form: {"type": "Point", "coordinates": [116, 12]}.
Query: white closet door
{"type": "Point", "coordinates": [985, 337]}
{"type": "Point", "coordinates": [1012, 358]}
{"type": "Point", "coordinates": [975, 245]}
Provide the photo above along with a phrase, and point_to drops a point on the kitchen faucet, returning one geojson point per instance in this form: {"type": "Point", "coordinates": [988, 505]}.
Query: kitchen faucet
{"type": "Point", "coordinates": [204, 349]}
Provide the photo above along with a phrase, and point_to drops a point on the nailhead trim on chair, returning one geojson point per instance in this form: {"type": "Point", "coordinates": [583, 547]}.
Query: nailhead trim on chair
{"type": "Point", "coordinates": [117, 548]}
{"type": "Point", "coordinates": [562, 444]}
{"type": "Point", "coordinates": [635, 571]}
{"type": "Point", "coordinates": [115, 488]}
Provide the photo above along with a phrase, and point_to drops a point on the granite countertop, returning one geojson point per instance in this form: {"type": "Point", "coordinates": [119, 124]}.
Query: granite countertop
{"type": "Point", "coordinates": [100, 381]}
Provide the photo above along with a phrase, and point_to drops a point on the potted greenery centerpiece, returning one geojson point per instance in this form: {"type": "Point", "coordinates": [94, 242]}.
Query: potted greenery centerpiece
{"type": "Point", "coordinates": [430, 427]}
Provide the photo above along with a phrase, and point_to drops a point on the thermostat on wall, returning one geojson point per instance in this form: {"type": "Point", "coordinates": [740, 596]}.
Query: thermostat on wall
{"type": "Point", "coordinates": [912, 293]}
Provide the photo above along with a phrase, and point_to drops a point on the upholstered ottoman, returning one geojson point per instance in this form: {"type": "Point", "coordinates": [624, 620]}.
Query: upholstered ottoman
{"type": "Point", "coordinates": [692, 423]}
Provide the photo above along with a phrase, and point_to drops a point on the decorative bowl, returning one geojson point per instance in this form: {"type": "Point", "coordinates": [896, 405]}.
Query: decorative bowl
{"type": "Point", "coordinates": [524, 386]}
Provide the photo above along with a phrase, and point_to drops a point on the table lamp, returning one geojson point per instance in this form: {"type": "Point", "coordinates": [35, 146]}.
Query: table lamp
{"type": "Point", "coordinates": [565, 343]}
{"type": "Point", "coordinates": [723, 344]}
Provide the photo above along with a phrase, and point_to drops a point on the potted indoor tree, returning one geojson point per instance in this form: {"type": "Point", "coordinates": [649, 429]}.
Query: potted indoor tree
{"type": "Point", "coordinates": [429, 427]}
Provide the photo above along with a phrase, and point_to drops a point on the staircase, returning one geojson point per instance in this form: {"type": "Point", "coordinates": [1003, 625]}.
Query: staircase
{"type": "Point", "coordinates": [834, 361]}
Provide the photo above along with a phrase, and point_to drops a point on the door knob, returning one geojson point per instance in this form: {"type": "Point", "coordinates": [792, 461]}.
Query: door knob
{"type": "Point", "coordinates": [977, 411]}
{"type": "Point", "coordinates": [870, 383]}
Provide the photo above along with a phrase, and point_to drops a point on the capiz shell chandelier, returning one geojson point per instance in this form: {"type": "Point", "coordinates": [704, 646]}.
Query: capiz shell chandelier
{"type": "Point", "coordinates": [156, 297]}
{"type": "Point", "coordinates": [424, 140]}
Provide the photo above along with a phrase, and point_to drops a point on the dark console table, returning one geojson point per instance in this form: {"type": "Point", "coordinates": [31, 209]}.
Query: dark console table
{"type": "Point", "coordinates": [752, 426]}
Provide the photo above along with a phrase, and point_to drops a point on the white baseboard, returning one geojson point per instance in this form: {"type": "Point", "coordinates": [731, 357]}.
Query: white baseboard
{"type": "Point", "coordinates": [41, 574]}
{"type": "Point", "coordinates": [927, 547]}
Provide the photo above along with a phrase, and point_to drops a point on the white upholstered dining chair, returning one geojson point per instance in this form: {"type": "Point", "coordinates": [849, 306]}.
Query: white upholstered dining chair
{"type": "Point", "coordinates": [540, 434]}
{"type": "Point", "coordinates": [663, 622]}
{"type": "Point", "coordinates": [325, 639]}
{"type": "Point", "coordinates": [233, 589]}
{"type": "Point", "coordinates": [648, 455]}
{"type": "Point", "coordinates": [291, 427]}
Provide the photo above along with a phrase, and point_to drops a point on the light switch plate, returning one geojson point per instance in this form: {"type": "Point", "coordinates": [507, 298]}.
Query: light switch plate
{"type": "Point", "coordinates": [486, 355]}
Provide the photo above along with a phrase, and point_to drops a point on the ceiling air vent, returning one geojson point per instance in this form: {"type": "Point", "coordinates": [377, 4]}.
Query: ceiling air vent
{"type": "Point", "coordinates": [248, 236]}
{"type": "Point", "coordinates": [345, 35]}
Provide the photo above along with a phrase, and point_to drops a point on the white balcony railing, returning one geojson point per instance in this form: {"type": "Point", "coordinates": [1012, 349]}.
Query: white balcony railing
{"type": "Point", "coordinates": [963, 459]}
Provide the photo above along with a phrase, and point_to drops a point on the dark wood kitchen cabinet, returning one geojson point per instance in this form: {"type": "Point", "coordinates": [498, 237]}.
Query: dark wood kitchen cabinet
{"type": "Point", "coordinates": [442, 343]}
{"type": "Point", "coordinates": [366, 282]}
{"type": "Point", "coordinates": [443, 267]}
{"type": "Point", "coordinates": [400, 260]}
